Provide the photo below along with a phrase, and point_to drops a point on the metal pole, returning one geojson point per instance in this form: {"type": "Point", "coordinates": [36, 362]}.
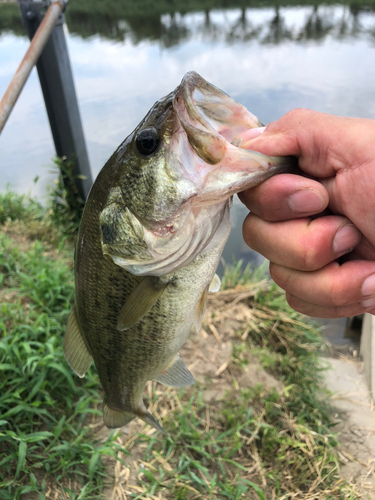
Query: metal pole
{"type": "Point", "coordinates": [31, 57]}
{"type": "Point", "coordinates": [56, 80]}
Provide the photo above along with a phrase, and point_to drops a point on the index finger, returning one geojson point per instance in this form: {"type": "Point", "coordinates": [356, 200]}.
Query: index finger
{"type": "Point", "coordinates": [323, 143]}
{"type": "Point", "coordinates": [286, 197]}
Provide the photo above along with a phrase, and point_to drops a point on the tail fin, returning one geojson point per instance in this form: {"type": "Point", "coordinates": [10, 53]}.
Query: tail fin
{"type": "Point", "coordinates": [119, 418]}
{"type": "Point", "coordinates": [149, 419]}
{"type": "Point", "coordinates": [116, 418]}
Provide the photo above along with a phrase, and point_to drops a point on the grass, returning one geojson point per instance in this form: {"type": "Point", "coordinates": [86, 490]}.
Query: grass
{"type": "Point", "coordinates": [46, 413]}
{"type": "Point", "coordinates": [65, 207]}
{"type": "Point", "coordinates": [257, 442]}
{"type": "Point", "coordinates": [18, 207]}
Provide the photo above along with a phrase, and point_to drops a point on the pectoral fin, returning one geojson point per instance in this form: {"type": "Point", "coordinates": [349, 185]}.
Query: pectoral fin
{"type": "Point", "coordinates": [176, 374]}
{"type": "Point", "coordinates": [199, 313]}
{"type": "Point", "coordinates": [140, 301]}
{"type": "Point", "coordinates": [215, 284]}
{"type": "Point", "coordinates": [76, 353]}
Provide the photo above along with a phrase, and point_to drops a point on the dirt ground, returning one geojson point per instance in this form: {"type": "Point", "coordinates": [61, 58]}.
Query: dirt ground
{"type": "Point", "coordinates": [207, 356]}
{"type": "Point", "coordinates": [356, 417]}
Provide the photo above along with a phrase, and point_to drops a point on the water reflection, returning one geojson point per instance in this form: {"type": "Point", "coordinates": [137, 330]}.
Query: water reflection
{"type": "Point", "coordinates": [271, 25]}
{"type": "Point", "coordinates": [270, 59]}
{"type": "Point", "coordinates": [240, 25]}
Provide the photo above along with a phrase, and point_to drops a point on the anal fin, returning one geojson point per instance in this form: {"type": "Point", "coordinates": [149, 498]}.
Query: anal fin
{"type": "Point", "coordinates": [76, 353]}
{"type": "Point", "coordinates": [176, 374]}
{"type": "Point", "coordinates": [140, 302]}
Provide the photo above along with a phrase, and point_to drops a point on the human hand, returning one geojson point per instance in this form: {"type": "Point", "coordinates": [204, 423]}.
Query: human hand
{"type": "Point", "coordinates": [338, 155]}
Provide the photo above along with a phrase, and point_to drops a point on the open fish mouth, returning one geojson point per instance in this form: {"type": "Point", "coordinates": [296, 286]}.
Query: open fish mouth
{"type": "Point", "coordinates": [210, 117]}
{"type": "Point", "coordinates": [213, 123]}
{"type": "Point", "coordinates": [192, 175]}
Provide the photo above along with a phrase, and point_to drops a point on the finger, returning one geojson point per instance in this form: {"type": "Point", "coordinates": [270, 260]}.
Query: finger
{"type": "Point", "coordinates": [247, 135]}
{"type": "Point", "coordinates": [302, 244]}
{"type": "Point", "coordinates": [334, 286]}
{"type": "Point", "coordinates": [324, 144]}
{"type": "Point", "coordinates": [328, 312]}
{"type": "Point", "coordinates": [286, 197]}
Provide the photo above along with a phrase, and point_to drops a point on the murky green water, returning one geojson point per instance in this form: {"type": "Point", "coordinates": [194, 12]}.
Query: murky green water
{"type": "Point", "coordinates": [270, 59]}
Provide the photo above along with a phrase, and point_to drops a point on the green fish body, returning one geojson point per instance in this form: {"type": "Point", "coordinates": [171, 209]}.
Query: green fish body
{"type": "Point", "coordinates": [151, 237]}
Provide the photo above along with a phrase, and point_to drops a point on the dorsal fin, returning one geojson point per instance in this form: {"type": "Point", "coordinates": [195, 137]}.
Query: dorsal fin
{"type": "Point", "coordinates": [76, 353]}
{"type": "Point", "coordinates": [140, 301]}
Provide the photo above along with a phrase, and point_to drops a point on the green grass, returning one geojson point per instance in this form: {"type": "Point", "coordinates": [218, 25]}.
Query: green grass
{"type": "Point", "coordinates": [18, 207]}
{"type": "Point", "coordinates": [255, 443]}
{"type": "Point", "coordinates": [65, 205]}
{"type": "Point", "coordinates": [45, 409]}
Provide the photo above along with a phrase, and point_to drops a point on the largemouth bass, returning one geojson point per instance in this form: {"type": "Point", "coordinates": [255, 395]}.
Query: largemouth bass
{"type": "Point", "coordinates": [152, 233]}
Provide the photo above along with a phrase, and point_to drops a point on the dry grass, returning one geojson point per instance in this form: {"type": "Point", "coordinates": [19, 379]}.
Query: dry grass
{"type": "Point", "coordinates": [247, 430]}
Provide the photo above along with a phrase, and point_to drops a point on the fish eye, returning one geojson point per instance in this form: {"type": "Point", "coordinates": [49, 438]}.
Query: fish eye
{"type": "Point", "coordinates": [147, 141]}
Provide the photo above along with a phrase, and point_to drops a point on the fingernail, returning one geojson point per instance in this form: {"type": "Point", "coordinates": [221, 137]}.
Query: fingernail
{"type": "Point", "coordinates": [306, 201]}
{"type": "Point", "coordinates": [368, 287]}
{"type": "Point", "coordinates": [346, 238]}
{"type": "Point", "coordinates": [242, 140]}
{"type": "Point", "coordinates": [368, 303]}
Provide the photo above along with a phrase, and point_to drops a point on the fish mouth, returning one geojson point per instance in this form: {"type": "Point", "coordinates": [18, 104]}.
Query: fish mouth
{"type": "Point", "coordinates": [210, 118]}
{"type": "Point", "coordinates": [202, 150]}
{"type": "Point", "coordinates": [210, 109]}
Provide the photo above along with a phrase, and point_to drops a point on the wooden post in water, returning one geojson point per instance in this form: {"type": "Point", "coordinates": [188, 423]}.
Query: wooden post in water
{"type": "Point", "coordinates": [58, 89]}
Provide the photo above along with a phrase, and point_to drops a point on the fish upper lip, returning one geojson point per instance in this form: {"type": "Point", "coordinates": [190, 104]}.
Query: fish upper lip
{"type": "Point", "coordinates": [184, 91]}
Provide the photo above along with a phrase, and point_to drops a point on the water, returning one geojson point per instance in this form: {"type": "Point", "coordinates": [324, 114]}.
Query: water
{"type": "Point", "coordinates": [271, 60]}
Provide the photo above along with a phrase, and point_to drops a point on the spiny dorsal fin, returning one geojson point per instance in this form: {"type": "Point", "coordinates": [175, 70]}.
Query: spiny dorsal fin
{"type": "Point", "coordinates": [76, 353]}
{"type": "Point", "coordinates": [176, 374]}
{"type": "Point", "coordinates": [215, 284]}
{"type": "Point", "coordinates": [140, 301]}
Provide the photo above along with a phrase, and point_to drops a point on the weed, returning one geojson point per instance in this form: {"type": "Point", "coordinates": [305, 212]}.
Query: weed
{"type": "Point", "coordinates": [18, 207]}
{"type": "Point", "coordinates": [47, 414]}
{"type": "Point", "coordinates": [66, 205]}
{"type": "Point", "coordinates": [257, 442]}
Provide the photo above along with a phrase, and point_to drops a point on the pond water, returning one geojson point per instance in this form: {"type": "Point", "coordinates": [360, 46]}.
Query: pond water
{"type": "Point", "coordinates": [270, 59]}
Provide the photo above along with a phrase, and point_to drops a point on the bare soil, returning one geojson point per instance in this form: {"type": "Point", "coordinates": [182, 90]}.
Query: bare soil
{"type": "Point", "coordinates": [356, 423]}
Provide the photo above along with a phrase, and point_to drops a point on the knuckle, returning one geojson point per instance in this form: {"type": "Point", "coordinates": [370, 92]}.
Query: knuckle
{"type": "Point", "coordinates": [337, 295]}
{"type": "Point", "coordinates": [294, 116]}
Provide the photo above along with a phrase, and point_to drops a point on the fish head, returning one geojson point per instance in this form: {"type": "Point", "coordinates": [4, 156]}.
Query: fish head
{"type": "Point", "coordinates": [175, 176]}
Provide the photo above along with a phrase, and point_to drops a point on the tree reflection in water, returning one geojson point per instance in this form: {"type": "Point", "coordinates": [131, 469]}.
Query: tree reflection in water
{"type": "Point", "coordinates": [267, 24]}
{"type": "Point", "coordinates": [241, 25]}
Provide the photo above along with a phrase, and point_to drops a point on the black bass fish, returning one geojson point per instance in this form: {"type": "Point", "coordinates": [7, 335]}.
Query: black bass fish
{"type": "Point", "coordinates": [152, 233]}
